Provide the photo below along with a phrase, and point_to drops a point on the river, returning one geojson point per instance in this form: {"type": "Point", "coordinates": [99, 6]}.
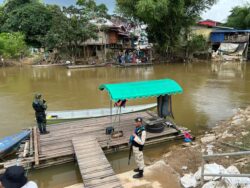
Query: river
{"type": "Point", "coordinates": [212, 92]}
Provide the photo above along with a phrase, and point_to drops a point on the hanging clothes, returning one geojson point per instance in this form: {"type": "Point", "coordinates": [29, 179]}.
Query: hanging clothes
{"type": "Point", "coordinates": [164, 106]}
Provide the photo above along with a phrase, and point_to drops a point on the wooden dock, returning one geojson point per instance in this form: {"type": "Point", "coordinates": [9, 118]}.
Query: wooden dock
{"type": "Point", "coordinates": [95, 169]}
{"type": "Point", "coordinates": [62, 144]}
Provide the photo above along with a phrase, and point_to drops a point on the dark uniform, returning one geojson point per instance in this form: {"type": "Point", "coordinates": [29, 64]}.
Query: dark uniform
{"type": "Point", "coordinates": [39, 105]}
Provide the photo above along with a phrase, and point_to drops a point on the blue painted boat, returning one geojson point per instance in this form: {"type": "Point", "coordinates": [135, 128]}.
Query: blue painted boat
{"type": "Point", "coordinates": [8, 143]}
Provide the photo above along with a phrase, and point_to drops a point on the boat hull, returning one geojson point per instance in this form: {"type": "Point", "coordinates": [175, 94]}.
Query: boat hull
{"type": "Point", "coordinates": [7, 144]}
{"type": "Point", "coordinates": [93, 113]}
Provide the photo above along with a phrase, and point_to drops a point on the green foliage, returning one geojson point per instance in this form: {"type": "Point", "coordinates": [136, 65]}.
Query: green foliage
{"type": "Point", "coordinates": [91, 9]}
{"type": "Point", "coordinates": [197, 43]}
{"type": "Point", "coordinates": [239, 17]}
{"type": "Point", "coordinates": [70, 31]}
{"type": "Point", "coordinates": [32, 19]}
{"type": "Point", "coordinates": [55, 36]}
{"type": "Point", "coordinates": [12, 45]}
{"type": "Point", "coordinates": [165, 18]}
{"type": "Point", "coordinates": [50, 26]}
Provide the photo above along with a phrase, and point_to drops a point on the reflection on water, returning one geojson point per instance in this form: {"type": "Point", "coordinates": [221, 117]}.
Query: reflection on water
{"type": "Point", "coordinates": [56, 177]}
{"type": "Point", "coordinates": [229, 69]}
{"type": "Point", "coordinates": [211, 93]}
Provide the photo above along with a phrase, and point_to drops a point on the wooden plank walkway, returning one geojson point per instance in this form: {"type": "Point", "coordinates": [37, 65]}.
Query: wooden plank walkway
{"type": "Point", "coordinates": [95, 169]}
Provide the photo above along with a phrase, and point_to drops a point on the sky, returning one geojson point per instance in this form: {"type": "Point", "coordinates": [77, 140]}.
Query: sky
{"type": "Point", "coordinates": [221, 9]}
{"type": "Point", "coordinates": [218, 12]}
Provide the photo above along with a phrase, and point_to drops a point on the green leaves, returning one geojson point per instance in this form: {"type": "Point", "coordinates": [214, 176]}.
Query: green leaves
{"type": "Point", "coordinates": [12, 45]}
{"type": "Point", "coordinates": [239, 17]}
{"type": "Point", "coordinates": [32, 19]}
{"type": "Point", "coordinates": [166, 19]}
{"type": "Point", "coordinates": [197, 43]}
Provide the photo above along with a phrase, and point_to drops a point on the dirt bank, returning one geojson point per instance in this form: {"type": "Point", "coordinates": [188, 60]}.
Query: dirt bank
{"type": "Point", "coordinates": [19, 62]}
{"type": "Point", "coordinates": [231, 135]}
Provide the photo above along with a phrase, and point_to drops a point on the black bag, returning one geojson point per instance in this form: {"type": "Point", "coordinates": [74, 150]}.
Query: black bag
{"type": "Point", "coordinates": [109, 130]}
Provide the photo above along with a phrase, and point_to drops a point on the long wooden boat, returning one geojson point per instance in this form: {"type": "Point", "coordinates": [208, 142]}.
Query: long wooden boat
{"type": "Point", "coordinates": [47, 65]}
{"type": "Point", "coordinates": [85, 66]}
{"type": "Point", "coordinates": [92, 113]}
{"type": "Point", "coordinates": [134, 64]}
{"type": "Point", "coordinates": [9, 143]}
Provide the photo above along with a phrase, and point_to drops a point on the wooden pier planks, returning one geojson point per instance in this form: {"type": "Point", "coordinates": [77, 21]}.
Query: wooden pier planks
{"type": "Point", "coordinates": [59, 142]}
{"type": "Point", "coordinates": [95, 169]}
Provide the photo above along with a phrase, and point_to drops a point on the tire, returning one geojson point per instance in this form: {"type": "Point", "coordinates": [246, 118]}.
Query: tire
{"type": "Point", "coordinates": [158, 128]}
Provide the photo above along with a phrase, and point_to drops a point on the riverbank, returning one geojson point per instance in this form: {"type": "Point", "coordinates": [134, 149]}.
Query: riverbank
{"type": "Point", "coordinates": [20, 62]}
{"type": "Point", "coordinates": [231, 135]}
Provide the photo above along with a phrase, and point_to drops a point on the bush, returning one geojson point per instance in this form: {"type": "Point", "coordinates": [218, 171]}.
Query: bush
{"type": "Point", "coordinates": [12, 45]}
{"type": "Point", "coordinates": [197, 43]}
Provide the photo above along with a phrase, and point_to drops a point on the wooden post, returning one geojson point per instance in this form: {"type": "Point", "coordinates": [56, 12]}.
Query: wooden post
{"type": "Point", "coordinates": [31, 142]}
{"type": "Point", "coordinates": [111, 113]}
{"type": "Point", "coordinates": [151, 55]}
{"type": "Point", "coordinates": [25, 150]}
{"type": "Point", "coordinates": [36, 146]}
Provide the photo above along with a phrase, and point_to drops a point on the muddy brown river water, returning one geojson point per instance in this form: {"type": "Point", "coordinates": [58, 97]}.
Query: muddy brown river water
{"type": "Point", "coordinates": [212, 92]}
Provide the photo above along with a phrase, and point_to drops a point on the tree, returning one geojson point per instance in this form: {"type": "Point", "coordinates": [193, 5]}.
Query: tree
{"type": "Point", "coordinates": [12, 45]}
{"type": "Point", "coordinates": [55, 36]}
{"type": "Point", "coordinates": [92, 10]}
{"type": "Point", "coordinates": [70, 29]}
{"type": "Point", "coordinates": [166, 19]}
{"type": "Point", "coordinates": [196, 43]}
{"type": "Point", "coordinates": [71, 26]}
{"type": "Point", "coordinates": [33, 19]}
{"type": "Point", "coordinates": [239, 17]}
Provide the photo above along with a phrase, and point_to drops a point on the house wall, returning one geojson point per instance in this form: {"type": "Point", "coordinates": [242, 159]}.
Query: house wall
{"type": "Point", "coordinates": [217, 37]}
{"type": "Point", "coordinates": [112, 37]}
{"type": "Point", "coordinates": [205, 32]}
{"type": "Point", "coordinates": [102, 38]}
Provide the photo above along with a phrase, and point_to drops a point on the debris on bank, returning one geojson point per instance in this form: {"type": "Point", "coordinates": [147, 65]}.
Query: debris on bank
{"type": "Point", "coordinates": [229, 136]}
{"type": "Point", "coordinates": [194, 180]}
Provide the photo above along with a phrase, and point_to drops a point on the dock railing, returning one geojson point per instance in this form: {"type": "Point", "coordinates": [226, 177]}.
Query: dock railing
{"type": "Point", "coordinates": [204, 157]}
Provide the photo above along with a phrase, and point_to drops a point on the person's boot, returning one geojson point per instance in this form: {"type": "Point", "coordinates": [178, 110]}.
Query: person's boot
{"type": "Point", "coordinates": [139, 175]}
{"type": "Point", "coordinates": [40, 129]}
{"type": "Point", "coordinates": [136, 170]}
{"type": "Point", "coordinates": [45, 131]}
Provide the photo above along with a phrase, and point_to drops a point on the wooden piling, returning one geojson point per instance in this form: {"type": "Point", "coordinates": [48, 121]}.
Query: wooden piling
{"type": "Point", "coordinates": [36, 146]}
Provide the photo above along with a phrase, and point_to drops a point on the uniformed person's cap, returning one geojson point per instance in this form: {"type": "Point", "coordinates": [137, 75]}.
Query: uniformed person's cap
{"type": "Point", "coordinates": [138, 119]}
{"type": "Point", "coordinates": [38, 95]}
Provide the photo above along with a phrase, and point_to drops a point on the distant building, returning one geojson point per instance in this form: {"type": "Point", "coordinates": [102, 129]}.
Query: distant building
{"type": "Point", "coordinates": [210, 23]}
{"type": "Point", "coordinates": [116, 35]}
{"type": "Point", "coordinates": [205, 28]}
{"type": "Point", "coordinates": [230, 44]}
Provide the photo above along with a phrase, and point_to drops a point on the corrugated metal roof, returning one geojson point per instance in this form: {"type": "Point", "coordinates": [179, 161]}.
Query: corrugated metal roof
{"type": "Point", "coordinates": [231, 31]}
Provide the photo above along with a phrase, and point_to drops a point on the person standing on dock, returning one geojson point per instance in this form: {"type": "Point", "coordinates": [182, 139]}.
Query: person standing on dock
{"type": "Point", "coordinates": [138, 139]}
{"type": "Point", "coordinates": [39, 105]}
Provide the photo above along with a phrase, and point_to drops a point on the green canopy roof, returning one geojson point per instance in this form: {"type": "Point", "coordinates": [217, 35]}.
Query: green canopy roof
{"type": "Point", "coordinates": [141, 89]}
